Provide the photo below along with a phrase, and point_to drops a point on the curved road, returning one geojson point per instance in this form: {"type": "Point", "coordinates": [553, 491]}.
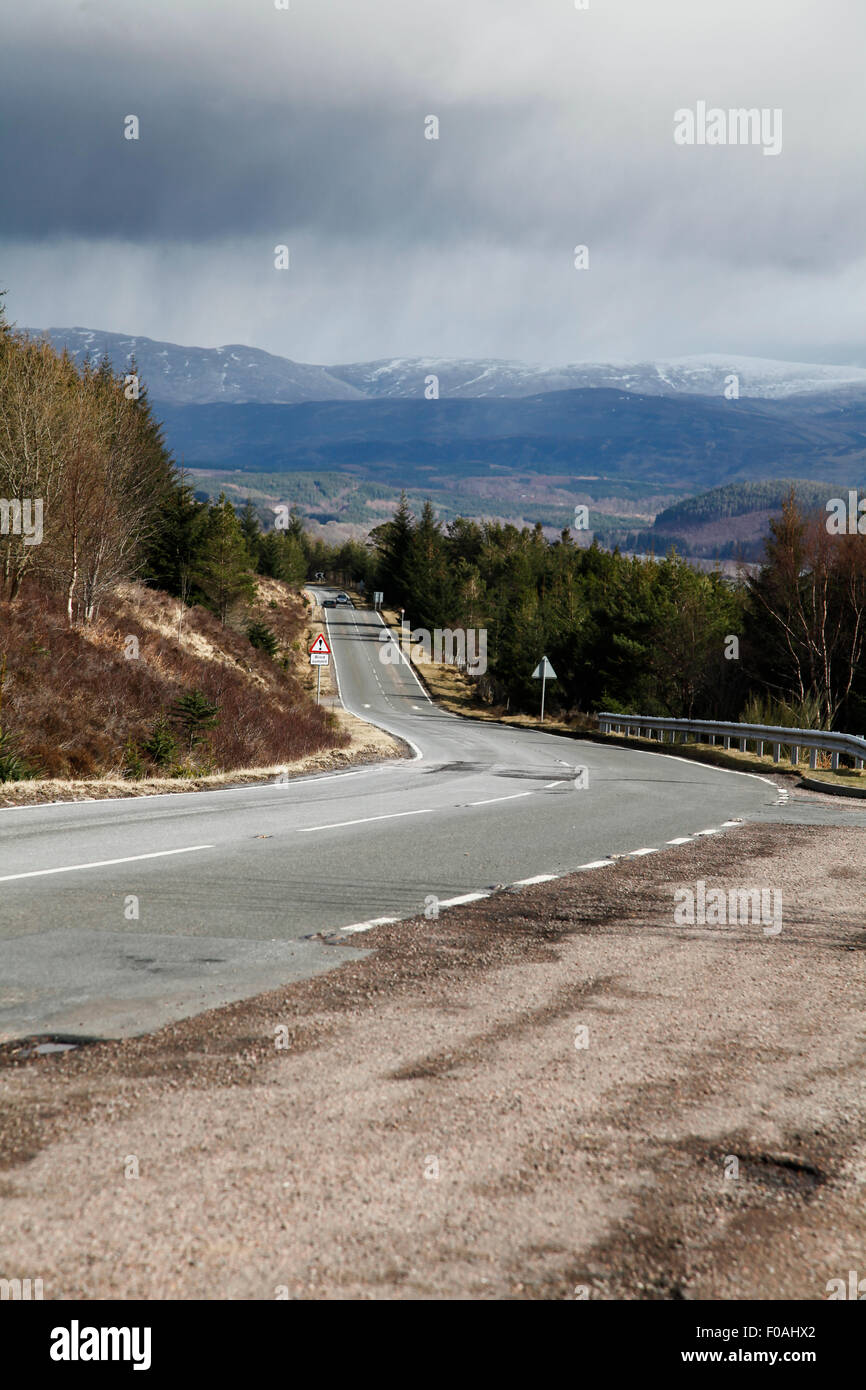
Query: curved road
{"type": "Point", "coordinates": [117, 916]}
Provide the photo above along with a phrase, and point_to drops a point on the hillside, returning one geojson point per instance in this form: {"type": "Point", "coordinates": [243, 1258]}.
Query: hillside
{"type": "Point", "coordinates": [728, 522]}
{"type": "Point", "coordinates": [75, 705]}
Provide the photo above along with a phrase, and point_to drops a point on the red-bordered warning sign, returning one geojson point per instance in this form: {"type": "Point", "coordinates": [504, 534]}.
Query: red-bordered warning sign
{"type": "Point", "coordinates": [320, 647]}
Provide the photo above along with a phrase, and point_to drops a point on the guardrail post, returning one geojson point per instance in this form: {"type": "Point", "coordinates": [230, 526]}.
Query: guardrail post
{"type": "Point", "coordinates": [760, 743]}
{"type": "Point", "coordinates": [777, 752]}
{"type": "Point", "coordinates": [813, 758]}
{"type": "Point", "coordinates": [834, 761]}
{"type": "Point", "coordinates": [744, 744]}
{"type": "Point", "coordinates": [795, 755]}
{"type": "Point", "coordinates": [727, 741]}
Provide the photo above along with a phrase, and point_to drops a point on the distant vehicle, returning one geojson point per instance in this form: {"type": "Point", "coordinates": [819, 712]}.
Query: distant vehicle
{"type": "Point", "coordinates": [330, 603]}
{"type": "Point", "coordinates": [343, 598]}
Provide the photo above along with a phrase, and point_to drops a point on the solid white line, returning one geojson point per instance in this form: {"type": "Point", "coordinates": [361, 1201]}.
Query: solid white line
{"type": "Point", "coordinates": [539, 878]}
{"type": "Point", "coordinates": [103, 863]}
{"type": "Point", "coordinates": [465, 898]}
{"type": "Point", "coordinates": [493, 799]}
{"type": "Point", "coordinates": [552, 784]}
{"type": "Point", "coordinates": [364, 820]}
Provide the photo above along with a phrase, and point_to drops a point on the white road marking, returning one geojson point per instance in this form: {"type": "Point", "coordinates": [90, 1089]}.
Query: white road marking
{"type": "Point", "coordinates": [553, 784]}
{"type": "Point", "coordinates": [104, 863]}
{"type": "Point", "coordinates": [364, 820]}
{"type": "Point", "coordinates": [368, 926]}
{"type": "Point", "coordinates": [521, 882]}
{"type": "Point", "coordinates": [493, 799]}
{"type": "Point", "coordinates": [714, 831]}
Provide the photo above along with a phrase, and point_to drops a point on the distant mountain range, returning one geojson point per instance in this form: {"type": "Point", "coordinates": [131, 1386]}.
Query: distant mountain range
{"type": "Point", "coordinates": [667, 444]}
{"type": "Point", "coordinates": [649, 430]}
{"type": "Point", "coordinates": [236, 374]}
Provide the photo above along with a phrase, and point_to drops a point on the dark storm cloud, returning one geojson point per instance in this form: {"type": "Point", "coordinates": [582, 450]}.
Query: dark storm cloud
{"type": "Point", "coordinates": [556, 128]}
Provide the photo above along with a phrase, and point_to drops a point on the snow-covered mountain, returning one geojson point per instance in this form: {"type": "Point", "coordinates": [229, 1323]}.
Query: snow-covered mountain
{"type": "Point", "coordinates": [757, 377]}
{"type": "Point", "coordinates": [236, 374]}
{"type": "Point", "coordinates": [177, 375]}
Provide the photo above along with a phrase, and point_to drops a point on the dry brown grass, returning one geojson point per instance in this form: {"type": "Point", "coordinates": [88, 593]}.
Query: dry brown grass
{"type": "Point", "coordinates": [74, 701]}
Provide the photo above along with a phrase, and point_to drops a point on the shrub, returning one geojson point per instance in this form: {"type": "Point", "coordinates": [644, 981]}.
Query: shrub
{"type": "Point", "coordinates": [196, 714]}
{"type": "Point", "coordinates": [261, 636]}
{"type": "Point", "coordinates": [13, 767]}
{"type": "Point", "coordinates": [161, 747]}
{"type": "Point", "coordinates": [786, 714]}
{"type": "Point", "coordinates": [133, 763]}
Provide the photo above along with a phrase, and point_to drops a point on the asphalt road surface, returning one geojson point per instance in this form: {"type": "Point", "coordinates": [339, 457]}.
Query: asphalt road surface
{"type": "Point", "coordinates": [119, 916]}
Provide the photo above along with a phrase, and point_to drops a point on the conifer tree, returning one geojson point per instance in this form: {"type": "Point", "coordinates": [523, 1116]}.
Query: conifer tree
{"type": "Point", "coordinates": [224, 567]}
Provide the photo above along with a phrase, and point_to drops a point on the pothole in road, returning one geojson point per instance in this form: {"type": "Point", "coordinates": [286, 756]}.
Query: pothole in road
{"type": "Point", "coordinates": [456, 767]}
{"type": "Point", "coordinates": [782, 1172]}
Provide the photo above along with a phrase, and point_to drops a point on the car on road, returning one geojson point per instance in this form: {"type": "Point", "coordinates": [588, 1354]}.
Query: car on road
{"type": "Point", "coordinates": [344, 598]}
{"type": "Point", "coordinates": [329, 603]}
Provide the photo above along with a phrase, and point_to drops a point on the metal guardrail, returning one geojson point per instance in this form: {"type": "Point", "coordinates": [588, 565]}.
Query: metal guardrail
{"type": "Point", "coordinates": [778, 737]}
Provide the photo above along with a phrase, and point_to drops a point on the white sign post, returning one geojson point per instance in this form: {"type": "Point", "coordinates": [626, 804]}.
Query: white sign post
{"type": "Point", "coordinates": [543, 672]}
{"type": "Point", "coordinates": [320, 655]}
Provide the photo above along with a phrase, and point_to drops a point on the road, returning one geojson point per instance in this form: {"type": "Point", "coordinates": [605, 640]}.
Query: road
{"type": "Point", "coordinates": [119, 916]}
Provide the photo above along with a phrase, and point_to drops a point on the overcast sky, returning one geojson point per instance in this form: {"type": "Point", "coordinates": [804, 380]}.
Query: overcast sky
{"type": "Point", "coordinates": [260, 126]}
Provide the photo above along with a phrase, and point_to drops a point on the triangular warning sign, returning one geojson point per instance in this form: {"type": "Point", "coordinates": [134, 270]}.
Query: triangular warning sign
{"type": "Point", "coordinates": [544, 670]}
{"type": "Point", "coordinates": [320, 646]}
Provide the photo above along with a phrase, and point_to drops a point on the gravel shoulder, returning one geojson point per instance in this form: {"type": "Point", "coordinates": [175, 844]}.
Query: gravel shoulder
{"type": "Point", "coordinates": [439, 1124]}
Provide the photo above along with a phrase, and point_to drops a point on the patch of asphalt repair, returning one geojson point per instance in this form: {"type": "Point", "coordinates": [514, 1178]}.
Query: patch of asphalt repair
{"type": "Point", "coordinates": [537, 1095]}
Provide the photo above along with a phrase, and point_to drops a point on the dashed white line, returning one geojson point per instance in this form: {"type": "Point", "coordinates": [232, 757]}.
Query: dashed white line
{"type": "Point", "coordinates": [104, 863]}
{"type": "Point", "coordinates": [364, 820]}
{"type": "Point", "coordinates": [493, 799]}
{"type": "Point", "coordinates": [368, 926]}
{"type": "Point", "coordinates": [523, 882]}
